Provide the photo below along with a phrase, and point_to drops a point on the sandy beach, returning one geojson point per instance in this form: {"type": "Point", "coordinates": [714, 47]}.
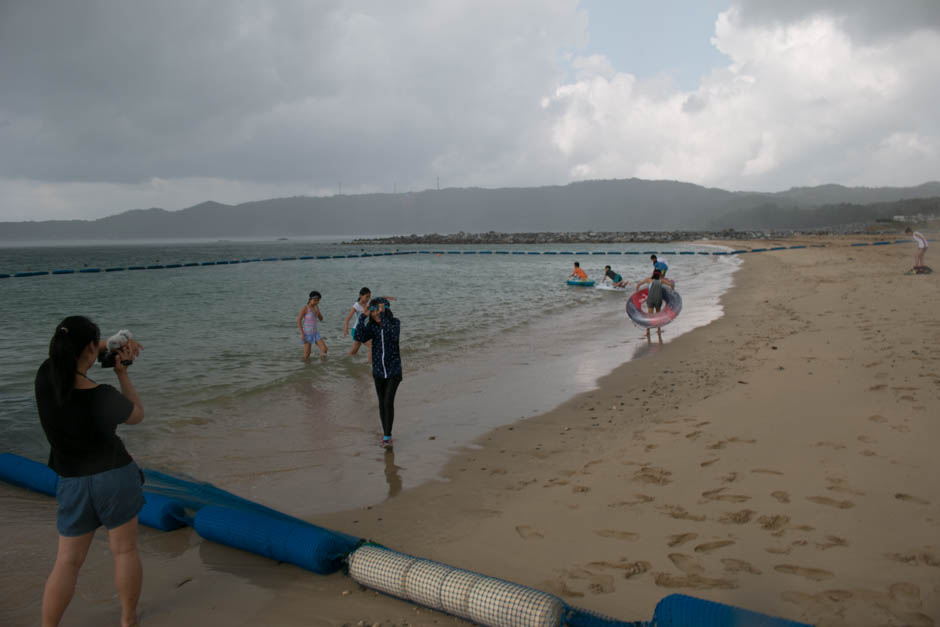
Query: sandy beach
{"type": "Point", "coordinates": [778, 459]}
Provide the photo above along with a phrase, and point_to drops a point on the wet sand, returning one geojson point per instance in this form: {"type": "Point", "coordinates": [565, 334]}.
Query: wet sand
{"type": "Point", "coordinates": [778, 459]}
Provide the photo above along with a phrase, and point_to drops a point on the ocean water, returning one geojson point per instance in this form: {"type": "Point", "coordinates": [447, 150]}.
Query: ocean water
{"type": "Point", "coordinates": [486, 340]}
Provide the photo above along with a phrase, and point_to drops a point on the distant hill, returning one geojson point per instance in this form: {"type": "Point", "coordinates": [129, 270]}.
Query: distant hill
{"type": "Point", "coordinates": [606, 205]}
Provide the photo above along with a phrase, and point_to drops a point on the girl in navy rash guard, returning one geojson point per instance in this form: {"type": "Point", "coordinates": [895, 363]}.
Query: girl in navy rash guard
{"type": "Point", "coordinates": [383, 329]}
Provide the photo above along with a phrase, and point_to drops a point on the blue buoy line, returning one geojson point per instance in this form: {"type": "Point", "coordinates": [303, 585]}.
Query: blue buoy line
{"type": "Point", "coordinates": [171, 503]}
{"type": "Point", "coordinates": [225, 262]}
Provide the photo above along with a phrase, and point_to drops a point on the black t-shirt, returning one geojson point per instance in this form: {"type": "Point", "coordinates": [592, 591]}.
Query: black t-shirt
{"type": "Point", "coordinates": [82, 431]}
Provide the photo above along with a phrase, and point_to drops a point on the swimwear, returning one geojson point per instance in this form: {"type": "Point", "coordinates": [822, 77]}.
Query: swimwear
{"type": "Point", "coordinates": [309, 325]}
{"type": "Point", "coordinates": [655, 296]}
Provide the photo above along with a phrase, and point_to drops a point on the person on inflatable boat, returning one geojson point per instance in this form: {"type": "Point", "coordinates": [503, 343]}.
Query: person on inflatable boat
{"type": "Point", "coordinates": [578, 274]}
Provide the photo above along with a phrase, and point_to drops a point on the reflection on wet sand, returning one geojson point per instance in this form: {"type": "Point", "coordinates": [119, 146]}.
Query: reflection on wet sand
{"type": "Point", "coordinates": [392, 476]}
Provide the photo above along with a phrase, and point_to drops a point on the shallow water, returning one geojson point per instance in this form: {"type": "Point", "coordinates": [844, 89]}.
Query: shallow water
{"type": "Point", "coordinates": [486, 340]}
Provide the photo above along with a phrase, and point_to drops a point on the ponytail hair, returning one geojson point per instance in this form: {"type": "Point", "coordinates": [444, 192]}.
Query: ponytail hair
{"type": "Point", "coordinates": [71, 337]}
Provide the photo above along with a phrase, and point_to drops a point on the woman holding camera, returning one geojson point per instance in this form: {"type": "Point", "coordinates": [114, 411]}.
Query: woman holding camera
{"type": "Point", "coordinates": [99, 483]}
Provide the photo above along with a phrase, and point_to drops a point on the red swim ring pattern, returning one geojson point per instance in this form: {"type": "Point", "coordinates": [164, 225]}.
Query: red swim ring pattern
{"type": "Point", "coordinates": [672, 305]}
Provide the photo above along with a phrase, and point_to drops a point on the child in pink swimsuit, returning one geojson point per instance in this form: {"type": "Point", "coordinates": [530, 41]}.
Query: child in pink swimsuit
{"type": "Point", "coordinates": [307, 323]}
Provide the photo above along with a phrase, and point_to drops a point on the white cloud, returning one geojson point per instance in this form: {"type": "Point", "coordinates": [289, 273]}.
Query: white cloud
{"type": "Point", "coordinates": [800, 102]}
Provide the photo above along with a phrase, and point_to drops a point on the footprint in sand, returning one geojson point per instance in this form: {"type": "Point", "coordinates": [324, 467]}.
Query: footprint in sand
{"type": "Point", "coordinates": [709, 462]}
{"type": "Point", "coordinates": [654, 475]}
{"type": "Point", "coordinates": [738, 440]}
{"type": "Point", "coordinates": [708, 547]}
{"type": "Point", "coordinates": [618, 535]}
{"type": "Point", "coordinates": [686, 563]}
{"type": "Point", "coordinates": [766, 471]}
{"type": "Point", "coordinates": [680, 538]}
{"type": "Point", "coordinates": [739, 566]}
{"type": "Point", "coordinates": [630, 569]}
{"type": "Point", "coordinates": [773, 523]}
{"type": "Point", "coordinates": [737, 518]}
{"type": "Point", "coordinates": [919, 558]}
{"type": "Point", "coordinates": [716, 495]}
{"type": "Point", "coordinates": [911, 499]}
{"type": "Point", "coordinates": [527, 532]}
{"type": "Point", "coordinates": [678, 512]}
{"type": "Point", "coordinates": [815, 574]}
{"type": "Point", "coordinates": [781, 496]}
{"type": "Point", "coordinates": [731, 477]}
{"type": "Point", "coordinates": [841, 485]}
{"type": "Point", "coordinates": [832, 542]}
{"type": "Point", "coordinates": [825, 500]}
{"type": "Point", "coordinates": [833, 445]}
{"type": "Point", "coordinates": [580, 489]}
{"type": "Point", "coordinates": [638, 500]}
{"type": "Point", "coordinates": [779, 550]}
{"type": "Point", "coordinates": [877, 418]}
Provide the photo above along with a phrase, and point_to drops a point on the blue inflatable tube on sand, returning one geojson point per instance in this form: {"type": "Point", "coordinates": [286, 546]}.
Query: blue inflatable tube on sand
{"type": "Point", "coordinates": [286, 540]}
{"type": "Point", "coordinates": [28, 474]}
{"type": "Point", "coordinates": [162, 513]}
{"type": "Point", "coordinates": [679, 610]}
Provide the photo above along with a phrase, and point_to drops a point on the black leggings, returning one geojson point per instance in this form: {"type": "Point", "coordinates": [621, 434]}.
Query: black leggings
{"type": "Point", "coordinates": [385, 390]}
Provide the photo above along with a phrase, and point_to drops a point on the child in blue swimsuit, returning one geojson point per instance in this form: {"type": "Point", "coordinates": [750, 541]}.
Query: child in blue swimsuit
{"type": "Point", "coordinates": [307, 323]}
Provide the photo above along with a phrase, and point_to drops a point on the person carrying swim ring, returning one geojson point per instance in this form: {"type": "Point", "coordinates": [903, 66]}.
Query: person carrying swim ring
{"type": "Point", "coordinates": [654, 298]}
{"type": "Point", "coordinates": [99, 483]}
{"type": "Point", "coordinates": [383, 330]}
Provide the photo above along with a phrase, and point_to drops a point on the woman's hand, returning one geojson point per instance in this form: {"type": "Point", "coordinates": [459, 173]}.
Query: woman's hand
{"type": "Point", "coordinates": [125, 353]}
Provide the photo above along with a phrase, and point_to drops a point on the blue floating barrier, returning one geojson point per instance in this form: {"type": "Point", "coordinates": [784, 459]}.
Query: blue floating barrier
{"type": "Point", "coordinates": [90, 270]}
{"type": "Point", "coordinates": [63, 272]}
{"type": "Point", "coordinates": [207, 263]}
{"type": "Point", "coordinates": [469, 252]}
{"type": "Point", "coordinates": [306, 257]}
{"type": "Point", "coordinates": [720, 252]}
{"type": "Point", "coordinates": [632, 252]}
{"type": "Point", "coordinates": [860, 244]}
{"type": "Point", "coordinates": [288, 258]}
{"type": "Point", "coordinates": [795, 247]}
{"type": "Point", "coordinates": [686, 252]}
{"type": "Point", "coordinates": [453, 252]}
{"type": "Point", "coordinates": [27, 473]}
{"type": "Point", "coordinates": [703, 252]}
{"type": "Point", "coordinates": [679, 610]}
{"type": "Point", "coordinates": [190, 264]}
{"type": "Point", "coordinates": [651, 252]}
{"type": "Point", "coordinates": [222, 262]}
{"type": "Point", "coordinates": [337, 256]}
{"type": "Point", "coordinates": [758, 250]}
{"type": "Point", "coordinates": [740, 251]}
{"type": "Point", "coordinates": [533, 252]}
{"type": "Point", "coordinates": [501, 252]}
{"type": "Point", "coordinates": [136, 268]}
{"type": "Point", "coordinates": [323, 256]}
{"type": "Point", "coordinates": [778, 248]}
{"type": "Point", "coordinates": [4, 276]}
{"type": "Point", "coordinates": [668, 252]}
{"type": "Point", "coordinates": [486, 252]}
{"type": "Point", "coordinates": [424, 252]}
{"type": "Point", "coordinates": [286, 540]}
{"type": "Point", "coordinates": [269, 259]}
{"type": "Point", "coordinates": [155, 266]}
{"type": "Point", "coordinates": [234, 261]}
{"type": "Point", "coordinates": [880, 243]}
{"type": "Point", "coordinates": [614, 252]}
{"type": "Point", "coordinates": [30, 273]}
{"type": "Point", "coordinates": [564, 252]}
{"type": "Point", "coordinates": [251, 260]}
{"type": "Point", "coordinates": [174, 265]}
{"type": "Point", "coordinates": [598, 252]}
{"type": "Point", "coordinates": [162, 513]}
{"type": "Point", "coordinates": [518, 252]}
{"type": "Point", "coordinates": [552, 252]}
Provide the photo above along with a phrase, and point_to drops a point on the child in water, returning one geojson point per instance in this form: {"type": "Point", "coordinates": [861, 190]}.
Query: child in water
{"type": "Point", "coordinates": [360, 308]}
{"type": "Point", "coordinates": [614, 277]}
{"type": "Point", "coordinates": [578, 274]}
{"type": "Point", "coordinates": [307, 323]}
{"type": "Point", "coordinates": [654, 297]}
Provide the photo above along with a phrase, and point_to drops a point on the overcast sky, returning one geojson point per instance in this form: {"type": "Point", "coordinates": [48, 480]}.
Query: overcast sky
{"type": "Point", "coordinates": [110, 105]}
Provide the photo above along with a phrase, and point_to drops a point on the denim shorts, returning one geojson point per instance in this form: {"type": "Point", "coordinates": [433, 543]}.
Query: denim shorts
{"type": "Point", "coordinates": [110, 498]}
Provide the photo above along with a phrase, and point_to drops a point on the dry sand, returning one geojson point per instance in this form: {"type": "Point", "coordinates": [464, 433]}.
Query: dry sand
{"type": "Point", "coordinates": [778, 459]}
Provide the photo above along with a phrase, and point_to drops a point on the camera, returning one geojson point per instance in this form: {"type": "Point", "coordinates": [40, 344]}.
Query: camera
{"type": "Point", "coordinates": [115, 342]}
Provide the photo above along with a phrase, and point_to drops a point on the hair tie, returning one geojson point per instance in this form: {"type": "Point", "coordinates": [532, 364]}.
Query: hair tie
{"type": "Point", "coordinates": [63, 329]}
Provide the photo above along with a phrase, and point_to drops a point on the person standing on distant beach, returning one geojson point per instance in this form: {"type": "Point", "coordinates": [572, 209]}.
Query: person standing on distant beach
{"type": "Point", "coordinates": [578, 274]}
{"type": "Point", "coordinates": [307, 323]}
{"type": "Point", "coordinates": [383, 330]}
{"type": "Point", "coordinates": [921, 250]}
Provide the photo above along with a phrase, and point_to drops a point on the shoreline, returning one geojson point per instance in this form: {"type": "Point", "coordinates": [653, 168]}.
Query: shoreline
{"type": "Point", "coordinates": [788, 473]}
